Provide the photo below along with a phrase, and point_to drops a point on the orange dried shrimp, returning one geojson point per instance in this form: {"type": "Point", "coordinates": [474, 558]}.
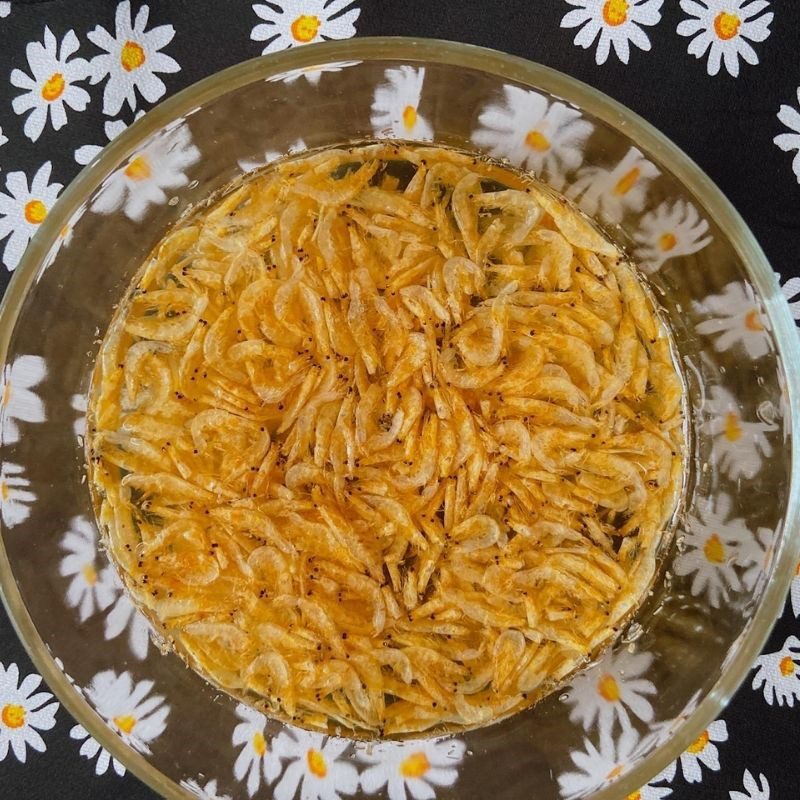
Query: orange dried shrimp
{"type": "Point", "coordinates": [386, 439]}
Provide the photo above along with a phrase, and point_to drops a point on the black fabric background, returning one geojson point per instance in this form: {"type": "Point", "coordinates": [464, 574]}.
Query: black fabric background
{"type": "Point", "coordinates": [725, 124]}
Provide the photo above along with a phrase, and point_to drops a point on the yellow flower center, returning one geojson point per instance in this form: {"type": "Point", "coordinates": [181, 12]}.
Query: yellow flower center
{"type": "Point", "coordinates": [726, 26]}
{"type": "Point", "coordinates": [634, 796]}
{"type": "Point", "coordinates": [787, 666]}
{"type": "Point", "coordinates": [138, 169]}
{"type": "Point", "coordinates": [132, 56]}
{"type": "Point", "coordinates": [536, 140]}
{"type": "Point", "coordinates": [615, 773]}
{"type": "Point", "coordinates": [797, 571]}
{"type": "Point", "coordinates": [752, 321]}
{"type": "Point", "coordinates": [608, 688]}
{"type": "Point", "coordinates": [615, 12]}
{"type": "Point", "coordinates": [4, 490]}
{"type": "Point", "coordinates": [409, 117]}
{"type": "Point", "coordinates": [733, 430]}
{"type": "Point", "coordinates": [714, 550]}
{"type": "Point", "coordinates": [627, 181]}
{"type": "Point", "coordinates": [13, 716]}
{"type": "Point", "coordinates": [316, 763]}
{"type": "Point", "coordinates": [89, 574]}
{"type": "Point", "coordinates": [667, 241]}
{"type": "Point", "coordinates": [415, 766]}
{"type": "Point", "coordinates": [53, 87]}
{"type": "Point", "coordinates": [6, 395]}
{"type": "Point", "coordinates": [699, 744]}
{"type": "Point", "coordinates": [35, 212]}
{"type": "Point", "coordinates": [305, 28]}
{"type": "Point", "coordinates": [125, 723]}
{"type": "Point", "coordinates": [259, 743]}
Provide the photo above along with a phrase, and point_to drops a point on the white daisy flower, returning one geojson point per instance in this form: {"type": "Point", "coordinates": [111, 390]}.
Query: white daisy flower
{"type": "Point", "coordinates": [125, 616]}
{"type": "Point", "coordinates": [3, 138]}
{"type": "Point", "coordinates": [131, 59]}
{"type": "Point", "coordinates": [754, 790]}
{"type": "Point", "coordinates": [91, 748]}
{"type": "Point", "coordinates": [790, 117]}
{"type": "Point", "coordinates": [722, 28]}
{"type": "Point", "coordinates": [113, 128]}
{"type": "Point", "coordinates": [159, 166]}
{"type": "Point", "coordinates": [739, 447]}
{"type": "Point", "coordinates": [23, 713]}
{"type": "Point", "coordinates": [673, 230]}
{"type": "Point", "coordinates": [256, 758]}
{"type": "Point", "coordinates": [311, 74]}
{"type": "Point", "coordinates": [703, 752]}
{"type": "Point", "coordinates": [316, 767]}
{"type": "Point", "coordinates": [779, 674]}
{"type": "Point", "coordinates": [617, 21]}
{"type": "Point", "coordinates": [52, 84]}
{"type": "Point", "coordinates": [795, 592]}
{"type": "Point", "coordinates": [412, 768]}
{"type": "Point", "coordinates": [610, 689]}
{"type": "Point", "coordinates": [734, 319]}
{"type": "Point", "coordinates": [5, 8]}
{"type": "Point", "coordinates": [546, 138]}
{"type": "Point", "coordinates": [15, 497]}
{"type": "Point", "coordinates": [712, 552]}
{"type": "Point", "coordinates": [207, 792]}
{"type": "Point", "coordinates": [23, 209]}
{"type": "Point", "coordinates": [298, 22]}
{"type": "Point", "coordinates": [18, 401]}
{"type": "Point", "coordinates": [78, 404]}
{"type": "Point", "coordinates": [395, 107]}
{"type": "Point", "coordinates": [89, 590]}
{"type": "Point", "coordinates": [271, 155]}
{"type": "Point", "coordinates": [126, 707]}
{"type": "Point", "coordinates": [613, 193]}
{"type": "Point", "coordinates": [599, 766]}
{"type": "Point", "coordinates": [791, 291]}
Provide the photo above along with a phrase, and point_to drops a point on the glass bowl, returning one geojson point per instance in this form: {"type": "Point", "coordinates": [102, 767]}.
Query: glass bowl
{"type": "Point", "coordinates": [620, 721]}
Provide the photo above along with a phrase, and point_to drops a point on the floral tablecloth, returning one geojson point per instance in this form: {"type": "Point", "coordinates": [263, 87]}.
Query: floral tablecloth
{"type": "Point", "coordinates": [720, 77]}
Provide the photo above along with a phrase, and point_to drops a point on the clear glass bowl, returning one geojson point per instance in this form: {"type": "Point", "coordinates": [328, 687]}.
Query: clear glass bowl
{"type": "Point", "coordinates": [622, 720]}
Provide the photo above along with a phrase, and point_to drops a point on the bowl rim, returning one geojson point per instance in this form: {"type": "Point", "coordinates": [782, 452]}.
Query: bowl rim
{"type": "Point", "coordinates": [503, 66]}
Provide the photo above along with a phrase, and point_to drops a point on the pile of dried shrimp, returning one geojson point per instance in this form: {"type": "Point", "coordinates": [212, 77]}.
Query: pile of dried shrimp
{"type": "Point", "coordinates": [385, 439]}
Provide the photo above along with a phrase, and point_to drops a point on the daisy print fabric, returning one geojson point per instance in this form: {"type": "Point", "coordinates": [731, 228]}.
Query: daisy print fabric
{"type": "Point", "coordinates": [777, 675]}
{"type": "Point", "coordinates": [617, 24]}
{"type": "Point", "coordinates": [23, 208]}
{"type": "Point", "coordinates": [293, 23]}
{"type": "Point", "coordinates": [721, 78]}
{"type": "Point", "coordinates": [25, 713]}
{"type": "Point", "coordinates": [789, 116]}
{"type": "Point", "coordinates": [724, 31]}
{"type": "Point", "coordinates": [754, 788]}
{"type": "Point", "coordinates": [131, 59]}
{"type": "Point", "coordinates": [51, 83]}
